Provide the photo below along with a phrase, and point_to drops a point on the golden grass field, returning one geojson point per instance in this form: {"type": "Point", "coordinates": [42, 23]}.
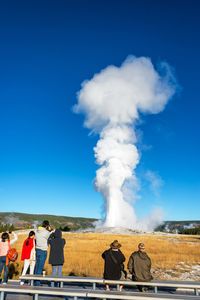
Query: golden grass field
{"type": "Point", "coordinates": [83, 251]}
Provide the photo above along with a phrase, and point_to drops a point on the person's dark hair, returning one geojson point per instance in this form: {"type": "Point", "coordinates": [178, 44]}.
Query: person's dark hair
{"type": "Point", "coordinates": [31, 233]}
{"type": "Point", "coordinates": [5, 236]}
{"type": "Point", "coordinates": [45, 223]}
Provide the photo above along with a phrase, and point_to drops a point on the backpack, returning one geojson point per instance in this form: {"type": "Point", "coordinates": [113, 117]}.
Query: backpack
{"type": "Point", "coordinates": [12, 254]}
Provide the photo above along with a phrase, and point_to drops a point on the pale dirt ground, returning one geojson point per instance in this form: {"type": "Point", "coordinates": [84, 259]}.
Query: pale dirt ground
{"type": "Point", "coordinates": [182, 273]}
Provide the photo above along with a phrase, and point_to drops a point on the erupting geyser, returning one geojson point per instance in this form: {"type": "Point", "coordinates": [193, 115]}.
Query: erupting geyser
{"type": "Point", "coordinates": [112, 101]}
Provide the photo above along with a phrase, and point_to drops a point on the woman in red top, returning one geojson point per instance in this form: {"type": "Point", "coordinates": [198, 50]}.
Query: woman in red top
{"type": "Point", "coordinates": [28, 254]}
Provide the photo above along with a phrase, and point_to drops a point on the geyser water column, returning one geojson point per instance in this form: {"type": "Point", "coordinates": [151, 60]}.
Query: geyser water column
{"type": "Point", "coordinates": [118, 157]}
{"type": "Point", "coordinates": [111, 102]}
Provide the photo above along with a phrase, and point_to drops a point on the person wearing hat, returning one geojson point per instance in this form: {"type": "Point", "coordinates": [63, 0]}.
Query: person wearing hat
{"type": "Point", "coordinates": [114, 259]}
{"type": "Point", "coordinates": [139, 265]}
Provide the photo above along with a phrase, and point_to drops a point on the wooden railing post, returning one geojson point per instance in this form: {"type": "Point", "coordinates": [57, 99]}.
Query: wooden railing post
{"type": "Point", "coordinates": [35, 296]}
{"type": "Point", "coordinates": [2, 295]}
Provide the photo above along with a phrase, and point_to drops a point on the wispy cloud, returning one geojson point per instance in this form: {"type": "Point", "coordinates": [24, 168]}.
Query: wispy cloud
{"type": "Point", "coordinates": [155, 181]}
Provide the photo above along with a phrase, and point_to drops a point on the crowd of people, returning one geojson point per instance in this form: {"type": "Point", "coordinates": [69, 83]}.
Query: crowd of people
{"type": "Point", "coordinates": [34, 251]}
{"type": "Point", "coordinates": [34, 255]}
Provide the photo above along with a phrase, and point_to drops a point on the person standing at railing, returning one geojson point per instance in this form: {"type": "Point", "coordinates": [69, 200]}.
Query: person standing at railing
{"type": "Point", "coordinates": [28, 254]}
{"type": "Point", "coordinates": [56, 255]}
{"type": "Point", "coordinates": [113, 267]}
{"type": "Point", "coordinates": [42, 234]}
{"type": "Point", "coordinates": [139, 265]}
{"type": "Point", "coordinates": [4, 247]}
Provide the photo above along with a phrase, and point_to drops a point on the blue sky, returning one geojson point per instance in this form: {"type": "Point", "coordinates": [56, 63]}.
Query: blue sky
{"type": "Point", "coordinates": [47, 49]}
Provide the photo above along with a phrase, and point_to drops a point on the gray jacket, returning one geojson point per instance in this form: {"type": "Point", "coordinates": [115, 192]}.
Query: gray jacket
{"type": "Point", "coordinates": [41, 237]}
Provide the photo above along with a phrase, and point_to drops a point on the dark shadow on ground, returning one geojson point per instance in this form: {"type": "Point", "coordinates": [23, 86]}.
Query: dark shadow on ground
{"type": "Point", "coordinates": [12, 270]}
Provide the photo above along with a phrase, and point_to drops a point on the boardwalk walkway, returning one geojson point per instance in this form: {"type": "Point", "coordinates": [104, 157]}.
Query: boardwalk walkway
{"type": "Point", "coordinates": [76, 290]}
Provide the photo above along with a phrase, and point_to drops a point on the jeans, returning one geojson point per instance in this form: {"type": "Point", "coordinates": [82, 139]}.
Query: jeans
{"type": "Point", "coordinates": [59, 272]}
{"type": "Point", "coordinates": [3, 265]}
{"type": "Point", "coordinates": [41, 256]}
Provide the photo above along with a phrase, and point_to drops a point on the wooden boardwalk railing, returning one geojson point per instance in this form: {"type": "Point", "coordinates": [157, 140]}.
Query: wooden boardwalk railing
{"type": "Point", "coordinates": [86, 293]}
{"type": "Point", "coordinates": [94, 281]}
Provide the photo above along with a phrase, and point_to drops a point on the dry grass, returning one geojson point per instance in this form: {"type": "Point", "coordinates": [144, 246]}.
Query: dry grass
{"type": "Point", "coordinates": [83, 251]}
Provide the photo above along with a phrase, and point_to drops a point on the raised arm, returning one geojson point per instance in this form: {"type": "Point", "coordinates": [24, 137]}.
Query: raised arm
{"type": "Point", "coordinates": [14, 239]}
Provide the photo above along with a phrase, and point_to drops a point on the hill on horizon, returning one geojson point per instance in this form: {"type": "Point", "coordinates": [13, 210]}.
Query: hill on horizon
{"type": "Point", "coordinates": [25, 221]}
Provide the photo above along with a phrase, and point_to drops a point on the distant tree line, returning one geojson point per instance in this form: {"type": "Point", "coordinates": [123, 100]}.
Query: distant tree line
{"type": "Point", "coordinates": [179, 228]}
{"type": "Point", "coordinates": [192, 231]}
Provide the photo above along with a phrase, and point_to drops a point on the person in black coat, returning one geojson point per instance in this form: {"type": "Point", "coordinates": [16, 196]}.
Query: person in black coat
{"type": "Point", "coordinates": [113, 266]}
{"type": "Point", "coordinates": [56, 256]}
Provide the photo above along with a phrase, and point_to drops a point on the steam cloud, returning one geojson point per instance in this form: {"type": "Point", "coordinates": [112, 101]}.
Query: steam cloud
{"type": "Point", "coordinates": [111, 102]}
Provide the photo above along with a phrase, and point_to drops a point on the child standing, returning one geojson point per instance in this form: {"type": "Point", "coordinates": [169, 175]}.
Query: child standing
{"type": "Point", "coordinates": [28, 254]}
{"type": "Point", "coordinates": [4, 247]}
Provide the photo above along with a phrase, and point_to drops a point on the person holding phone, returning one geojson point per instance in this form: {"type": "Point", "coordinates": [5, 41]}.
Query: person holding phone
{"type": "Point", "coordinates": [41, 237]}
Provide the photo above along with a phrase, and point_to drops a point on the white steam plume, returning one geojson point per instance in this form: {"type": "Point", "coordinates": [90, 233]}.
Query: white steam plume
{"type": "Point", "coordinates": [112, 101]}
